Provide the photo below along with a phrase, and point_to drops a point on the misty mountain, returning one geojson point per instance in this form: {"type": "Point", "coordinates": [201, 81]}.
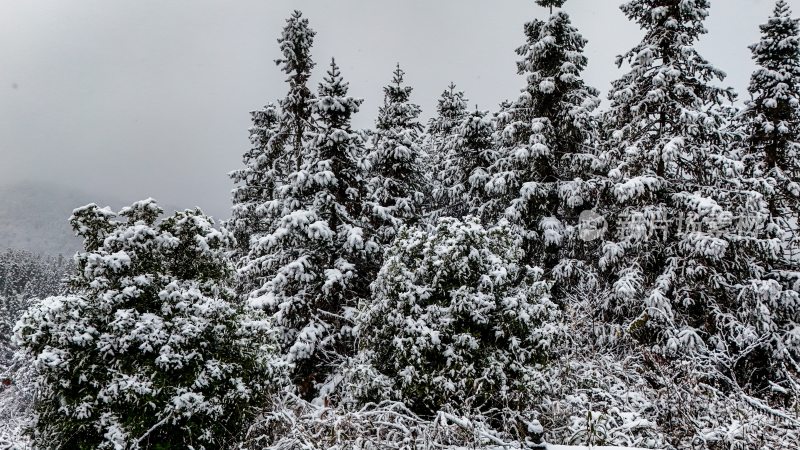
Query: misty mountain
{"type": "Point", "coordinates": [35, 216]}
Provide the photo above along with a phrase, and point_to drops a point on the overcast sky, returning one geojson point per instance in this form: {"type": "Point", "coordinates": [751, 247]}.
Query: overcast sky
{"type": "Point", "coordinates": [138, 98]}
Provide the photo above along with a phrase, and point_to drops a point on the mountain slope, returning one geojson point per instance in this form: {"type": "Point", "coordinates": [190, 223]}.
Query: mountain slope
{"type": "Point", "coordinates": [34, 216]}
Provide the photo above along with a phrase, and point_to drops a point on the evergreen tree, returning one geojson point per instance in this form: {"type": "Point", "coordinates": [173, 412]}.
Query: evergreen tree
{"type": "Point", "coordinates": [397, 185]}
{"type": "Point", "coordinates": [552, 61]}
{"type": "Point", "coordinates": [666, 131]}
{"type": "Point", "coordinates": [774, 111]}
{"type": "Point", "coordinates": [543, 175]}
{"type": "Point", "coordinates": [319, 252]}
{"type": "Point", "coordinates": [686, 269]}
{"type": "Point", "coordinates": [277, 137]}
{"type": "Point", "coordinates": [451, 109]}
{"type": "Point", "coordinates": [296, 42]}
{"type": "Point", "coordinates": [255, 206]}
{"type": "Point", "coordinates": [264, 169]}
{"type": "Point", "coordinates": [461, 189]}
{"type": "Point", "coordinates": [665, 112]}
{"type": "Point", "coordinates": [147, 350]}
{"type": "Point", "coordinates": [770, 155]}
{"type": "Point", "coordinates": [457, 321]}
{"type": "Point", "coordinates": [771, 121]}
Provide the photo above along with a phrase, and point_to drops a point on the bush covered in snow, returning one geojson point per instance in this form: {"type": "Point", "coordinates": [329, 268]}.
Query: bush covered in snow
{"type": "Point", "coordinates": [149, 347]}
{"type": "Point", "coordinates": [456, 321]}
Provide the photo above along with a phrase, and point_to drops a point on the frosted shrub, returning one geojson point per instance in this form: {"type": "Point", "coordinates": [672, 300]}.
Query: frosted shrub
{"type": "Point", "coordinates": [148, 348]}
{"type": "Point", "coordinates": [456, 322]}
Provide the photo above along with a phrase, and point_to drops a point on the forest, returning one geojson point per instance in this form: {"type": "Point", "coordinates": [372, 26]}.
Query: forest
{"type": "Point", "coordinates": [561, 272]}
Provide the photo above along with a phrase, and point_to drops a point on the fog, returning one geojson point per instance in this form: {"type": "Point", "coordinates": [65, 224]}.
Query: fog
{"type": "Point", "coordinates": [139, 98]}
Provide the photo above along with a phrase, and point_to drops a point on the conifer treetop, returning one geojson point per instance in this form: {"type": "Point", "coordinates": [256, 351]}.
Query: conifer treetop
{"type": "Point", "coordinates": [334, 103]}
{"type": "Point", "coordinates": [552, 60]}
{"type": "Point", "coordinates": [397, 111]}
{"type": "Point", "coordinates": [774, 111]}
{"type": "Point", "coordinates": [551, 3]}
{"type": "Point", "coordinates": [668, 78]}
{"type": "Point", "coordinates": [398, 75]}
{"type": "Point", "coordinates": [397, 177]}
{"type": "Point", "coordinates": [779, 47]}
{"type": "Point", "coordinates": [264, 168]}
{"type": "Point", "coordinates": [396, 92]}
{"type": "Point", "coordinates": [333, 83]}
{"type": "Point", "coordinates": [670, 19]}
{"type": "Point", "coordinates": [551, 118]}
{"type": "Point", "coordinates": [452, 104]}
{"type": "Point", "coordinates": [295, 42]}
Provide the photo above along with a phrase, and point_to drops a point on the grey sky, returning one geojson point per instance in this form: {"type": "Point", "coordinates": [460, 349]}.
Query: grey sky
{"type": "Point", "coordinates": [140, 98]}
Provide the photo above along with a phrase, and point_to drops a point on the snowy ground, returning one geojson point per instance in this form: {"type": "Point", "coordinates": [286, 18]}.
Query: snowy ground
{"type": "Point", "coordinates": [573, 447]}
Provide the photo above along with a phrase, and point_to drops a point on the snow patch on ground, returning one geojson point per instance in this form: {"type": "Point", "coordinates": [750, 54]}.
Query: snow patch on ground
{"type": "Point", "coordinates": [583, 447]}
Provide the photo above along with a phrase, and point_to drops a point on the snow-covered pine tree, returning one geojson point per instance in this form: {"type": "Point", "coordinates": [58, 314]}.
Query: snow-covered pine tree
{"type": "Point", "coordinates": [264, 169]}
{"type": "Point", "coordinates": [296, 42]}
{"type": "Point", "coordinates": [771, 121]}
{"type": "Point", "coordinates": [684, 267]}
{"type": "Point", "coordinates": [458, 322]}
{"type": "Point", "coordinates": [148, 348]}
{"type": "Point", "coordinates": [774, 110]}
{"type": "Point", "coordinates": [319, 253]}
{"type": "Point", "coordinates": [398, 182]}
{"type": "Point", "coordinates": [255, 208]}
{"type": "Point", "coordinates": [658, 108]}
{"type": "Point", "coordinates": [770, 312]}
{"type": "Point", "coordinates": [542, 178]}
{"type": "Point", "coordinates": [665, 132]}
{"type": "Point", "coordinates": [461, 187]}
{"type": "Point", "coordinates": [277, 137]}
{"type": "Point", "coordinates": [451, 109]}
